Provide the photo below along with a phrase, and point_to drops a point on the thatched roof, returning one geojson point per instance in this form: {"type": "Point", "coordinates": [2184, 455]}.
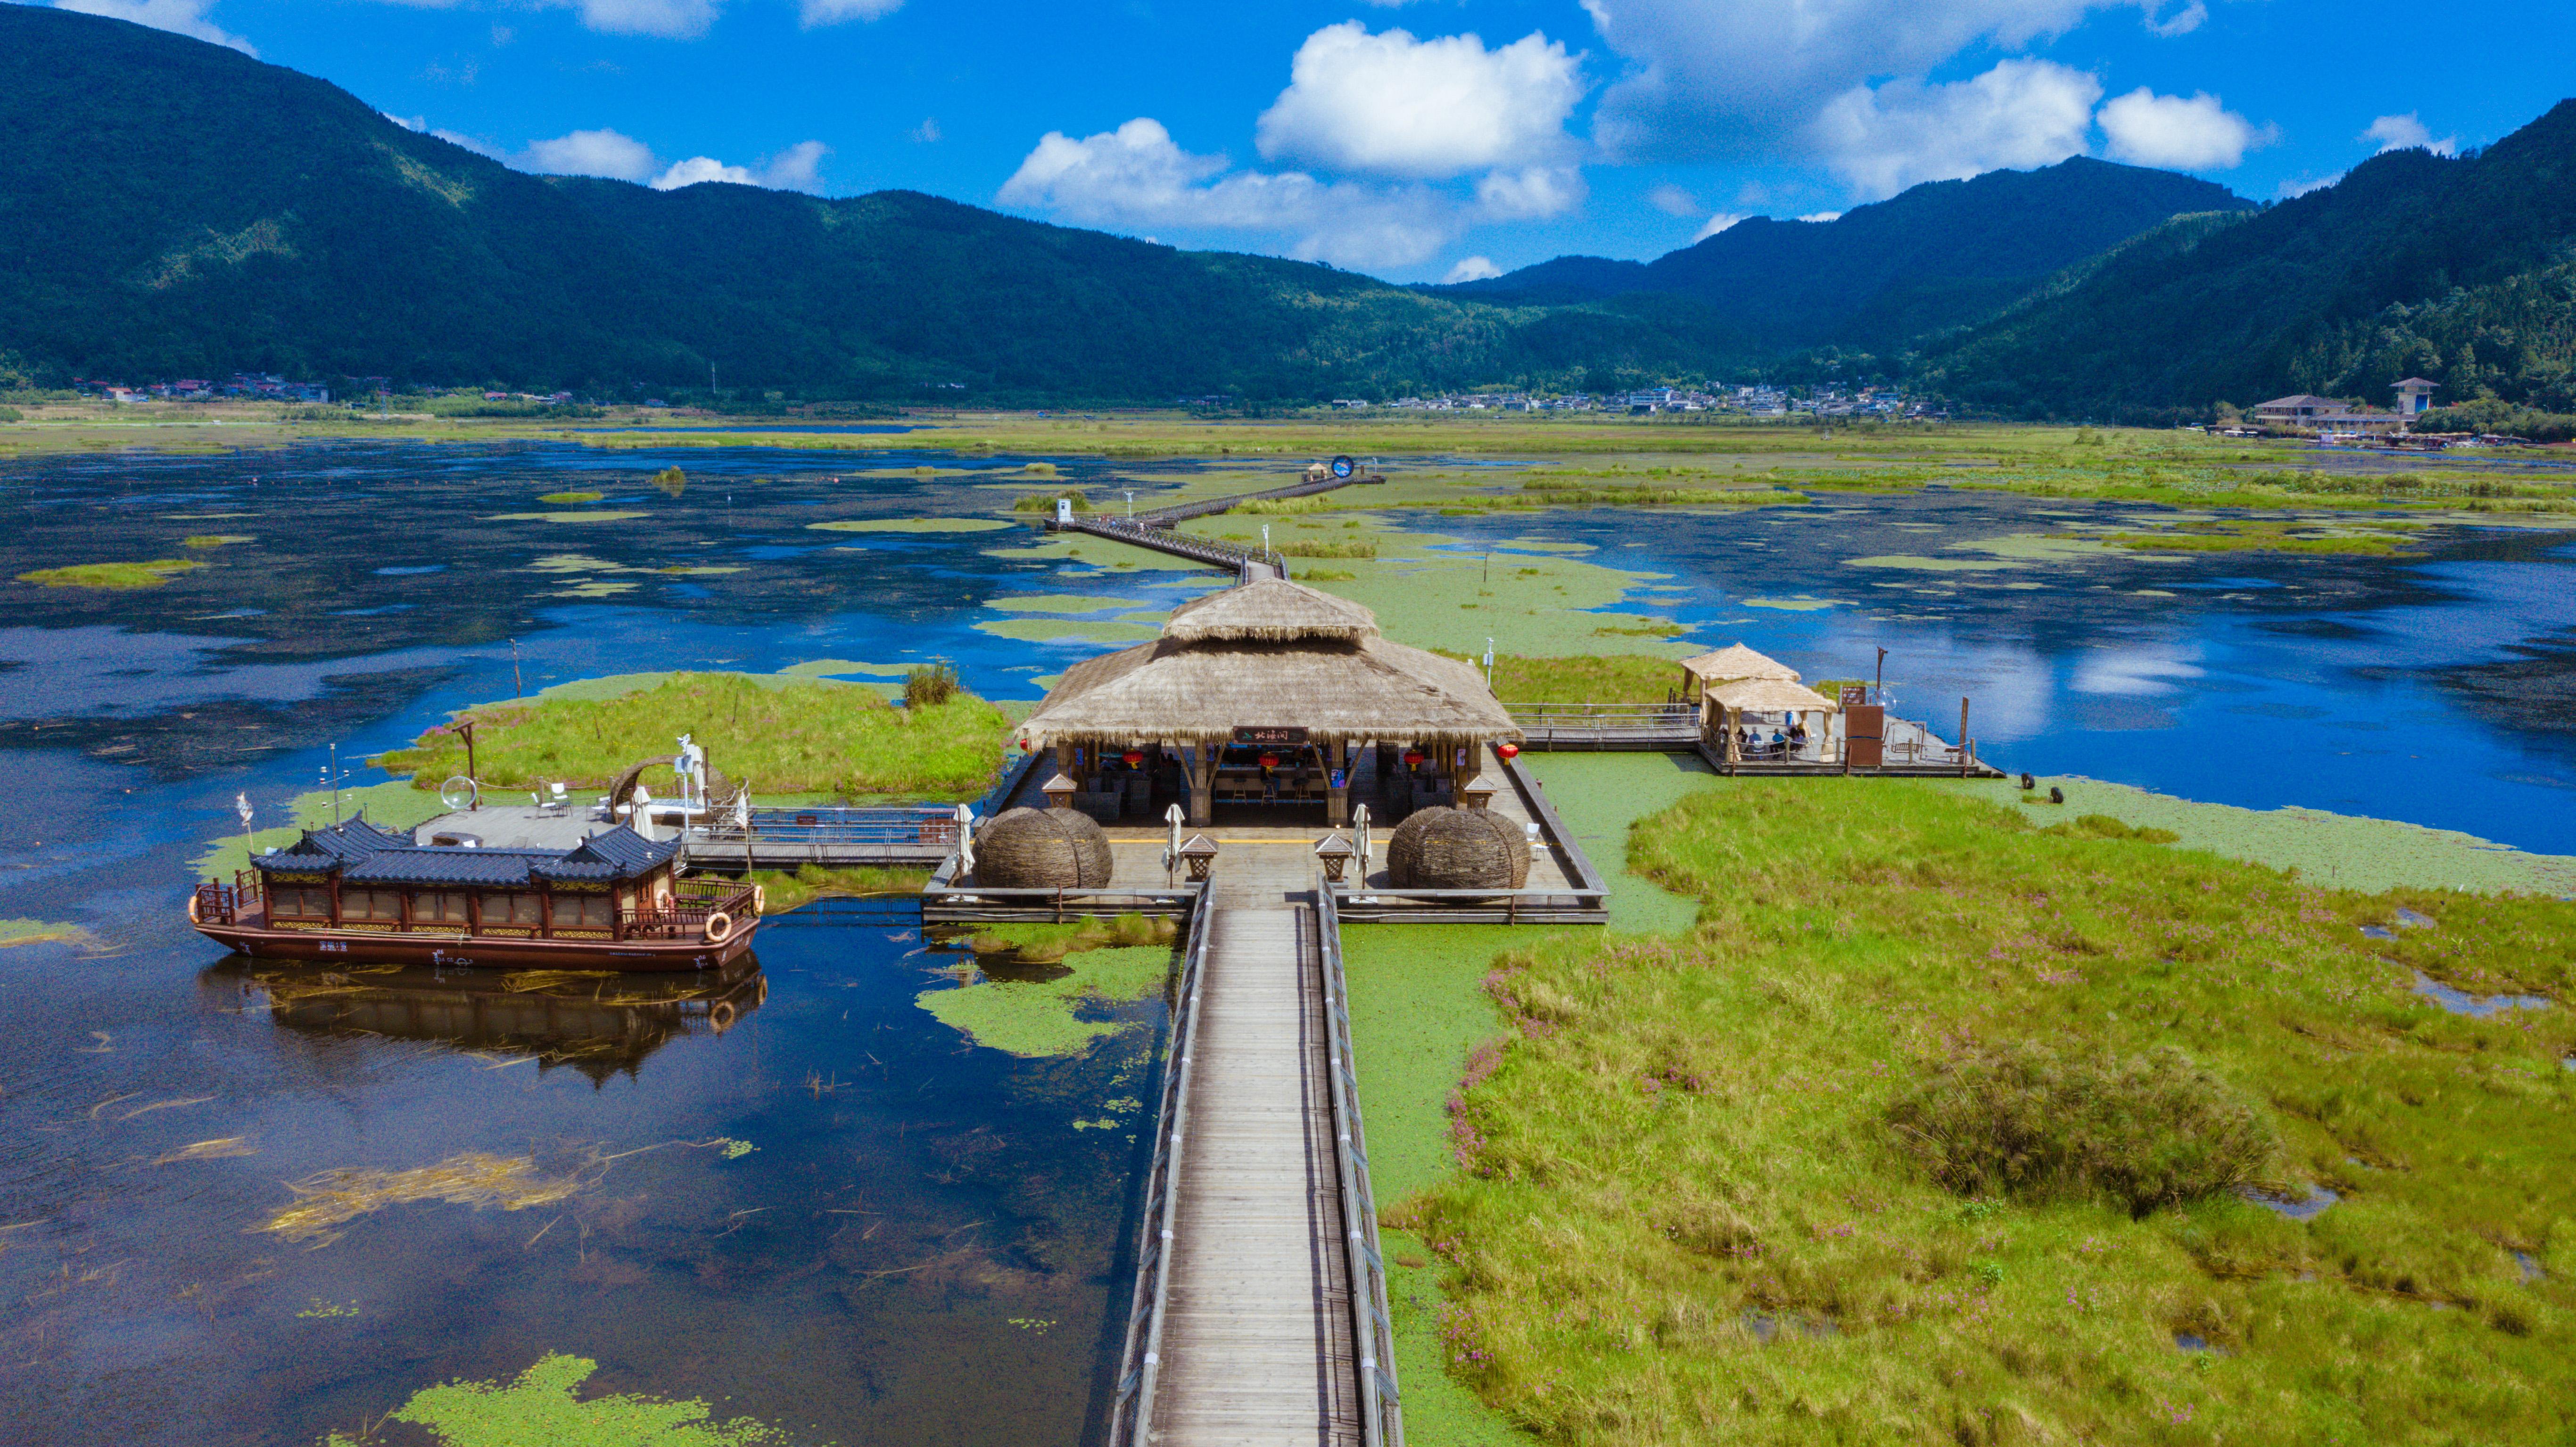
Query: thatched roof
{"type": "Point", "coordinates": [1270, 610]}
{"type": "Point", "coordinates": [1770, 695]}
{"type": "Point", "coordinates": [1737, 661]}
{"type": "Point", "coordinates": [1270, 654]}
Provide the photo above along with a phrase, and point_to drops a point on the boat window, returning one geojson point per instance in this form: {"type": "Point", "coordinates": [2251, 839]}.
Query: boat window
{"type": "Point", "coordinates": [303, 903]}
{"type": "Point", "coordinates": [581, 911]}
{"type": "Point", "coordinates": [440, 909]}
{"type": "Point", "coordinates": [381, 904]}
{"type": "Point", "coordinates": [510, 909]}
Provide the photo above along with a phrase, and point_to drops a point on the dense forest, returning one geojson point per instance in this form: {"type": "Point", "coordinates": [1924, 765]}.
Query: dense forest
{"type": "Point", "coordinates": [2459, 270]}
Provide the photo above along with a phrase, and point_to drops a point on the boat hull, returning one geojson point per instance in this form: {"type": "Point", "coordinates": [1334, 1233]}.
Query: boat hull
{"type": "Point", "coordinates": [479, 951]}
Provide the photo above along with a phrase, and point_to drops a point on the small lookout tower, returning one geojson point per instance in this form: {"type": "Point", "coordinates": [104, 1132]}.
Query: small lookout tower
{"type": "Point", "coordinates": [2414, 399]}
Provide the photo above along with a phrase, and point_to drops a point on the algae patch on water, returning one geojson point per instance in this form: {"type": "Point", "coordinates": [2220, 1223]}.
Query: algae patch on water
{"type": "Point", "coordinates": [913, 525]}
{"type": "Point", "coordinates": [1061, 603]}
{"type": "Point", "coordinates": [540, 1408]}
{"type": "Point", "coordinates": [1037, 1018]}
{"type": "Point", "coordinates": [119, 577]}
{"type": "Point", "coordinates": [15, 932]}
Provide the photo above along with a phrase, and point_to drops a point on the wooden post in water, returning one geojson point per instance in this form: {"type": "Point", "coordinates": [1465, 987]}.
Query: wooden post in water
{"type": "Point", "coordinates": [1963, 738]}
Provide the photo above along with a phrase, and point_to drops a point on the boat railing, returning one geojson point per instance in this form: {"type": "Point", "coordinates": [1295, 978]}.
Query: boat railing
{"type": "Point", "coordinates": [693, 903]}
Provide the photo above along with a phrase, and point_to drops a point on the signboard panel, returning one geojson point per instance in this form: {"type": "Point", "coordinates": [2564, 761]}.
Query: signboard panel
{"type": "Point", "coordinates": [1855, 694]}
{"type": "Point", "coordinates": [1280, 734]}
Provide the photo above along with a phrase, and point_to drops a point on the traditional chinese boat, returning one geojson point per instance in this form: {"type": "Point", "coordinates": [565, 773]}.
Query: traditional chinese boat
{"type": "Point", "coordinates": [356, 893]}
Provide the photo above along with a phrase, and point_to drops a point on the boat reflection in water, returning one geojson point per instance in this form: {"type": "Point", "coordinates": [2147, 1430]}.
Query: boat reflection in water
{"type": "Point", "coordinates": [599, 1022]}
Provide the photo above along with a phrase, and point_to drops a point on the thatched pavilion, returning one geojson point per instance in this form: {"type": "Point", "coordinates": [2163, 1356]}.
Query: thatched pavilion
{"type": "Point", "coordinates": [1264, 691]}
{"type": "Point", "coordinates": [1724, 706]}
{"type": "Point", "coordinates": [1728, 664]}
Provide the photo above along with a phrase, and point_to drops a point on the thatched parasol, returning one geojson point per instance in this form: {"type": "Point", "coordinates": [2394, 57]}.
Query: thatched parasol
{"type": "Point", "coordinates": [1770, 695]}
{"type": "Point", "coordinates": [1042, 849]}
{"type": "Point", "coordinates": [1271, 610]}
{"type": "Point", "coordinates": [1737, 661]}
{"type": "Point", "coordinates": [1456, 849]}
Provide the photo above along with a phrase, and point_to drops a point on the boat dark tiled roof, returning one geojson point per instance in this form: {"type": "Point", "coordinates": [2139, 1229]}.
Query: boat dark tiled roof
{"type": "Point", "coordinates": [364, 854]}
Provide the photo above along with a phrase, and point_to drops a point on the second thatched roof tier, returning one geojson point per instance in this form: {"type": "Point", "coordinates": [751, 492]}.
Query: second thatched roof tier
{"type": "Point", "coordinates": [1270, 654]}
{"type": "Point", "coordinates": [1737, 661]}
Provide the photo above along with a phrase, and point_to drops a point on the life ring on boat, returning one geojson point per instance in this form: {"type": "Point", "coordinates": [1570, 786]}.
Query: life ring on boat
{"type": "Point", "coordinates": [760, 899]}
{"type": "Point", "coordinates": [192, 908]}
{"type": "Point", "coordinates": [719, 927]}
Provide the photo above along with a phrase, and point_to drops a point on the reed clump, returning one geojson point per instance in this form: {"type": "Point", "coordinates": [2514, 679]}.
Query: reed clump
{"type": "Point", "coordinates": [329, 1200]}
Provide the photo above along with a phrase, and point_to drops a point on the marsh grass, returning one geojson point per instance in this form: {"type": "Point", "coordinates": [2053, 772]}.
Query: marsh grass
{"type": "Point", "coordinates": [1326, 548]}
{"type": "Point", "coordinates": [569, 499]}
{"type": "Point", "coordinates": [802, 737]}
{"type": "Point", "coordinates": [784, 891]}
{"type": "Point", "coordinates": [1689, 1145]}
{"type": "Point", "coordinates": [120, 577]}
{"type": "Point", "coordinates": [1619, 678]}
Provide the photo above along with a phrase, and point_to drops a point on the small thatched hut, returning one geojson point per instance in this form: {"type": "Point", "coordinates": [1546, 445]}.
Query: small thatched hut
{"type": "Point", "coordinates": [1042, 849]}
{"type": "Point", "coordinates": [1273, 665]}
{"type": "Point", "coordinates": [1725, 707]}
{"type": "Point", "coordinates": [1457, 849]}
{"type": "Point", "coordinates": [1726, 665]}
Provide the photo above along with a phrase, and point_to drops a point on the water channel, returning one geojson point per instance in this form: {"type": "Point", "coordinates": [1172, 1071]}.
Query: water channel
{"type": "Point", "coordinates": [799, 1196]}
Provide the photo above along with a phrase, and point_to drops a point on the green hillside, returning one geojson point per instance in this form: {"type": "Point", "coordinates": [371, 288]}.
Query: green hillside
{"type": "Point", "coordinates": [169, 207]}
{"type": "Point", "coordinates": [1937, 255]}
{"type": "Point", "coordinates": [2459, 270]}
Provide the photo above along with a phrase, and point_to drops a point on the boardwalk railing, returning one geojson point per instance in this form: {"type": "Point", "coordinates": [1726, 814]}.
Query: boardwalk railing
{"type": "Point", "coordinates": [1605, 725]}
{"type": "Point", "coordinates": [1214, 552]}
{"type": "Point", "coordinates": [1140, 1359]}
{"type": "Point", "coordinates": [1372, 1332]}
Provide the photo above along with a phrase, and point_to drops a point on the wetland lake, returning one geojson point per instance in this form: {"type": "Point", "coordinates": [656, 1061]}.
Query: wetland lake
{"type": "Point", "coordinates": [240, 1206]}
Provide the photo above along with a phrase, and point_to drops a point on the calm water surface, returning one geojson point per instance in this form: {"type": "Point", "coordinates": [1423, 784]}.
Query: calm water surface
{"type": "Point", "coordinates": [920, 1244]}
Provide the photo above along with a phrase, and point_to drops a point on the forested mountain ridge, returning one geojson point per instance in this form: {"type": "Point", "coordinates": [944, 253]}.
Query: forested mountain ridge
{"type": "Point", "coordinates": [169, 207]}
{"type": "Point", "coordinates": [1935, 256]}
{"type": "Point", "coordinates": [2461, 270]}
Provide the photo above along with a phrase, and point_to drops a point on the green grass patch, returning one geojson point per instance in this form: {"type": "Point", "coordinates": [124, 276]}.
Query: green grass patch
{"type": "Point", "coordinates": [117, 577]}
{"type": "Point", "coordinates": [1614, 678]}
{"type": "Point", "coordinates": [1931, 1128]}
{"type": "Point", "coordinates": [16, 932]}
{"type": "Point", "coordinates": [1327, 548]}
{"type": "Point", "coordinates": [780, 735]}
{"type": "Point", "coordinates": [782, 891]}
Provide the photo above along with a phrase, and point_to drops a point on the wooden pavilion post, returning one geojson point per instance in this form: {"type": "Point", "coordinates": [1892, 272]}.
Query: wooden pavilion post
{"type": "Point", "coordinates": [1337, 799]}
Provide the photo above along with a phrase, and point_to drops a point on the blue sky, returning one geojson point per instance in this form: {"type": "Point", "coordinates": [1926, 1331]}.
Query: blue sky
{"type": "Point", "coordinates": [1416, 141]}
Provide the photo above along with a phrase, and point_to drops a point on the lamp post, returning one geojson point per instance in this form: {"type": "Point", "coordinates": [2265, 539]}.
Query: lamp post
{"type": "Point", "coordinates": [1131, 504]}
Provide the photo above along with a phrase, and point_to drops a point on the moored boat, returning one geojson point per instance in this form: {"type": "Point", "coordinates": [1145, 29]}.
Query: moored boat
{"type": "Point", "coordinates": [355, 893]}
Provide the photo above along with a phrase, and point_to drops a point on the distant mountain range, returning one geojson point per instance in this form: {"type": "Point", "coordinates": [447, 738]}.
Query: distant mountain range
{"type": "Point", "coordinates": [171, 208]}
{"type": "Point", "coordinates": [1937, 256]}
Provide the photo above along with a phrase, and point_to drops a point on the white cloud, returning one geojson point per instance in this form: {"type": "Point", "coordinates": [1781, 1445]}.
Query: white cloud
{"type": "Point", "coordinates": [1672, 200]}
{"type": "Point", "coordinates": [2021, 113]}
{"type": "Point", "coordinates": [700, 168]}
{"type": "Point", "coordinates": [2181, 22]}
{"type": "Point", "coordinates": [798, 168]}
{"type": "Point", "coordinates": [2399, 133]}
{"type": "Point", "coordinates": [670, 19]}
{"type": "Point", "coordinates": [591, 153]}
{"type": "Point", "coordinates": [928, 131]}
{"type": "Point", "coordinates": [409, 123]}
{"type": "Point", "coordinates": [1821, 216]}
{"type": "Point", "coordinates": [811, 13]}
{"type": "Point", "coordinates": [481, 148]}
{"type": "Point", "coordinates": [1722, 221]}
{"type": "Point", "coordinates": [1473, 268]}
{"type": "Point", "coordinates": [1723, 79]}
{"type": "Point", "coordinates": [2197, 134]}
{"type": "Point", "coordinates": [1527, 195]}
{"type": "Point", "coordinates": [1392, 105]}
{"type": "Point", "coordinates": [2302, 184]}
{"type": "Point", "coordinates": [179, 17]}
{"type": "Point", "coordinates": [1137, 177]}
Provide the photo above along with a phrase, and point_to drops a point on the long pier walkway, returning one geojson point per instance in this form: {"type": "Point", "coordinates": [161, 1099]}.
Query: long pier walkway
{"type": "Point", "coordinates": [1157, 530]}
{"type": "Point", "coordinates": [1260, 1312]}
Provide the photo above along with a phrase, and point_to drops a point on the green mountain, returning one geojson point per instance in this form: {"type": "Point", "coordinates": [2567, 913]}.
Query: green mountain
{"type": "Point", "coordinates": [173, 208]}
{"type": "Point", "coordinates": [1935, 256]}
{"type": "Point", "coordinates": [2459, 270]}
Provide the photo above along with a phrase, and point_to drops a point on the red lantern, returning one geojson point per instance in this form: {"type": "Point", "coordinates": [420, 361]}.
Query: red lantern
{"type": "Point", "coordinates": [1133, 757]}
{"type": "Point", "coordinates": [1413, 758]}
{"type": "Point", "coordinates": [1270, 761]}
{"type": "Point", "coordinates": [1508, 751]}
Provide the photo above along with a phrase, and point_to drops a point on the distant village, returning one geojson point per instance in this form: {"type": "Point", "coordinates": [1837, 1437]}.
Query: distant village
{"type": "Point", "coordinates": [1752, 401]}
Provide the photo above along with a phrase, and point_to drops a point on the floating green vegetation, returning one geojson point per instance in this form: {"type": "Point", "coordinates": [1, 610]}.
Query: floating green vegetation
{"type": "Point", "coordinates": [2337, 850]}
{"type": "Point", "coordinates": [1933, 565]}
{"type": "Point", "coordinates": [914, 525]}
{"type": "Point", "coordinates": [670, 481]}
{"type": "Point", "coordinates": [15, 932]}
{"type": "Point", "coordinates": [1057, 630]}
{"type": "Point", "coordinates": [595, 588]}
{"type": "Point", "coordinates": [1651, 628]}
{"type": "Point", "coordinates": [2250, 536]}
{"type": "Point", "coordinates": [329, 1200]}
{"type": "Point", "coordinates": [1934, 1120]}
{"type": "Point", "coordinates": [570, 499]}
{"type": "Point", "coordinates": [1061, 603]}
{"type": "Point", "coordinates": [1799, 604]}
{"type": "Point", "coordinates": [604, 516]}
{"type": "Point", "coordinates": [833, 667]}
{"type": "Point", "coordinates": [784, 735]}
{"type": "Point", "coordinates": [120, 577]}
{"type": "Point", "coordinates": [539, 1409]}
{"type": "Point", "coordinates": [392, 805]}
{"type": "Point", "coordinates": [1326, 575]}
{"type": "Point", "coordinates": [1040, 1018]}
{"type": "Point", "coordinates": [215, 540]}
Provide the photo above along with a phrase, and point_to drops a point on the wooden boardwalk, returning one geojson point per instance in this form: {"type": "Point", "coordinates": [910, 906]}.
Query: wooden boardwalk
{"type": "Point", "coordinates": [1249, 1329]}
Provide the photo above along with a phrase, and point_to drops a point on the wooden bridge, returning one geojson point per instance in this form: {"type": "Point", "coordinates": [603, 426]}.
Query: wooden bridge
{"type": "Point", "coordinates": [1260, 1317]}
{"type": "Point", "coordinates": [1157, 530]}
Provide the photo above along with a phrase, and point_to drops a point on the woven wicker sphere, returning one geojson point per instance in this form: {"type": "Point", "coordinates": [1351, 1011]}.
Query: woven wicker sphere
{"type": "Point", "coordinates": [1042, 849]}
{"type": "Point", "coordinates": [1456, 849]}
